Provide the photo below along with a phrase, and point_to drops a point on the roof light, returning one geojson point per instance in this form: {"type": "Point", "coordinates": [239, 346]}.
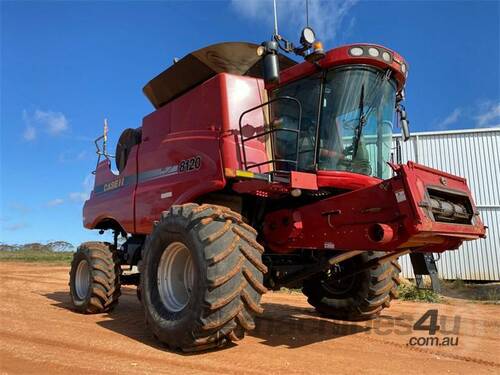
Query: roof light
{"type": "Point", "coordinates": [308, 37]}
{"type": "Point", "coordinates": [356, 51]}
{"type": "Point", "coordinates": [386, 56]}
{"type": "Point", "coordinates": [317, 52]}
{"type": "Point", "coordinates": [373, 52]}
{"type": "Point", "coordinates": [318, 46]}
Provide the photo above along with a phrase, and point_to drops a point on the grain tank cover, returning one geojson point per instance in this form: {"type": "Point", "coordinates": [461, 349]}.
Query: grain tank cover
{"type": "Point", "coordinates": [232, 57]}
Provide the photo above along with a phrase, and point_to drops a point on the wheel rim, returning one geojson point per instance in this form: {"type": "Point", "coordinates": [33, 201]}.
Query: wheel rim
{"type": "Point", "coordinates": [82, 279]}
{"type": "Point", "coordinates": [336, 282]}
{"type": "Point", "coordinates": [175, 276]}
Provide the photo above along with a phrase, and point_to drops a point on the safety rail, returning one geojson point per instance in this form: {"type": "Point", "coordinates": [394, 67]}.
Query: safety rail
{"type": "Point", "coordinates": [103, 152]}
{"type": "Point", "coordinates": [271, 131]}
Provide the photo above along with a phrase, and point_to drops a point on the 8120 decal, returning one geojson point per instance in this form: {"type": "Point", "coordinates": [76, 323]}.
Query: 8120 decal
{"type": "Point", "coordinates": [190, 164]}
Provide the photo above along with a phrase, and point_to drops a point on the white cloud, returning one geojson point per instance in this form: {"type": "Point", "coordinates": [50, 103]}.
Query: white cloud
{"type": "Point", "coordinates": [72, 156]}
{"type": "Point", "coordinates": [82, 155]}
{"type": "Point", "coordinates": [29, 133]}
{"type": "Point", "coordinates": [483, 113]}
{"type": "Point", "coordinates": [55, 202]}
{"type": "Point", "coordinates": [450, 119]}
{"type": "Point", "coordinates": [325, 17]}
{"type": "Point", "coordinates": [20, 208]}
{"type": "Point", "coordinates": [78, 197]}
{"type": "Point", "coordinates": [88, 183]}
{"type": "Point", "coordinates": [15, 226]}
{"type": "Point", "coordinates": [489, 114]}
{"type": "Point", "coordinates": [87, 186]}
{"type": "Point", "coordinates": [252, 8]}
{"type": "Point", "coordinates": [54, 123]}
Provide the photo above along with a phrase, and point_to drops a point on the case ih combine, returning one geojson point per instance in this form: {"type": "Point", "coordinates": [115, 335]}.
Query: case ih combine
{"type": "Point", "coordinates": [247, 178]}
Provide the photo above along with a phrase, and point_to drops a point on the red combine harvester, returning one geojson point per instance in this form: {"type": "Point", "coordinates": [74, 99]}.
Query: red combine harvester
{"type": "Point", "coordinates": [245, 179]}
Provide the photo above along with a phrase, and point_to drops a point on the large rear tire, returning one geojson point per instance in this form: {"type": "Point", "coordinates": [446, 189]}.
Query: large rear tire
{"type": "Point", "coordinates": [202, 277]}
{"type": "Point", "coordinates": [94, 278]}
{"type": "Point", "coordinates": [359, 297]}
{"type": "Point", "coordinates": [396, 281]}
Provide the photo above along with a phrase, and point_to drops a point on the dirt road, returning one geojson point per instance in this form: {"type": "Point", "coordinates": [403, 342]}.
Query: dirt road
{"type": "Point", "coordinates": [39, 334]}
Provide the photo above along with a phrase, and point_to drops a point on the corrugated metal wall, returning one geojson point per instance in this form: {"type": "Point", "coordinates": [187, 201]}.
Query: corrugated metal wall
{"type": "Point", "coordinates": [475, 155]}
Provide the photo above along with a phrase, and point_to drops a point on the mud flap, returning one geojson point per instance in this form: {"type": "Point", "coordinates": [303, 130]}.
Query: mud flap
{"type": "Point", "coordinates": [425, 264]}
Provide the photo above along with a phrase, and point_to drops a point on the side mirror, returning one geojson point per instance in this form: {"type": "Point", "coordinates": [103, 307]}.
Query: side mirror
{"type": "Point", "coordinates": [270, 61]}
{"type": "Point", "coordinates": [405, 129]}
{"type": "Point", "coordinates": [403, 121]}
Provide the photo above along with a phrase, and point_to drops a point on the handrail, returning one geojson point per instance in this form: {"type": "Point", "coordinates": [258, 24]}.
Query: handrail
{"type": "Point", "coordinates": [100, 152]}
{"type": "Point", "coordinates": [270, 131]}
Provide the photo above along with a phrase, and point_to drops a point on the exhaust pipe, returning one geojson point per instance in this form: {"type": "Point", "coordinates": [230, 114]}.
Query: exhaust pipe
{"type": "Point", "coordinates": [380, 233]}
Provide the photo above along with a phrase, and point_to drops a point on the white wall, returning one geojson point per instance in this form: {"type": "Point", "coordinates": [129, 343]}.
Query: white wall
{"type": "Point", "coordinates": [475, 155]}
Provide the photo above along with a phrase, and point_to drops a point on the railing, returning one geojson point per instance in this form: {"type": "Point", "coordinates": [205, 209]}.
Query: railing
{"type": "Point", "coordinates": [103, 152]}
{"type": "Point", "coordinates": [272, 131]}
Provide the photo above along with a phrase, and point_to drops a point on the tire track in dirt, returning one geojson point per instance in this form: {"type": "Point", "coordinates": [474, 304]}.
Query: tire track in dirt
{"type": "Point", "coordinates": [40, 334]}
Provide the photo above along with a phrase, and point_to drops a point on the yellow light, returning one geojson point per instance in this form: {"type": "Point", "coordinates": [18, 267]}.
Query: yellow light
{"type": "Point", "coordinates": [318, 46]}
{"type": "Point", "coordinates": [317, 52]}
{"type": "Point", "coordinates": [229, 172]}
{"type": "Point", "coordinates": [247, 174]}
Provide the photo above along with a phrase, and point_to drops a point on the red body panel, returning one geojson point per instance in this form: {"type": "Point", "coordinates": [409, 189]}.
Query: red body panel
{"type": "Point", "coordinates": [187, 127]}
{"type": "Point", "coordinates": [347, 221]}
{"type": "Point", "coordinates": [202, 123]}
{"type": "Point", "coordinates": [345, 180]}
{"type": "Point", "coordinates": [340, 56]}
{"type": "Point", "coordinates": [109, 202]}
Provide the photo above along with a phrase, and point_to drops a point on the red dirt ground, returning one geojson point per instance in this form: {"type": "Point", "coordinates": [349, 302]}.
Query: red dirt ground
{"type": "Point", "coordinates": [39, 334]}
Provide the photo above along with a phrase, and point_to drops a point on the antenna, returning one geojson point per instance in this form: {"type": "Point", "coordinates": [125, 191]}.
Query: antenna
{"type": "Point", "coordinates": [269, 49]}
{"type": "Point", "coordinates": [307, 13]}
{"type": "Point", "coordinates": [105, 136]}
{"type": "Point", "coordinates": [275, 18]}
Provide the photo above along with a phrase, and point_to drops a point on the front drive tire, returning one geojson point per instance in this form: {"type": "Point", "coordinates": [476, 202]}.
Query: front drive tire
{"type": "Point", "coordinates": [359, 297]}
{"type": "Point", "coordinates": [94, 278]}
{"type": "Point", "coordinates": [202, 277]}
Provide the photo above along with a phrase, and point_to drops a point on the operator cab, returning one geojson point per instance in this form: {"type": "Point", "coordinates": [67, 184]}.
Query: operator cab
{"type": "Point", "coordinates": [343, 108]}
{"type": "Point", "coordinates": [346, 122]}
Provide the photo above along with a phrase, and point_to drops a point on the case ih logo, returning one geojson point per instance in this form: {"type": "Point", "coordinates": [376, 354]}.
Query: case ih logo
{"type": "Point", "coordinates": [114, 184]}
{"type": "Point", "coordinates": [186, 165]}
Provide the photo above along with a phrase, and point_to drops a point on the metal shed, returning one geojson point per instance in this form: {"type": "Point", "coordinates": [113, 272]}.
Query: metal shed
{"type": "Point", "coordinates": [475, 155]}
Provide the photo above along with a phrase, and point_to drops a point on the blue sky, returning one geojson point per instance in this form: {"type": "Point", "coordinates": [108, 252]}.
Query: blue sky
{"type": "Point", "coordinates": [67, 65]}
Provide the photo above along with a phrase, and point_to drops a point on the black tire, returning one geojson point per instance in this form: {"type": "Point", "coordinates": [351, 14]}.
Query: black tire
{"type": "Point", "coordinates": [138, 293]}
{"type": "Point", "coordinates": [128, 139]}
{"type": "Point", "coordinates": [359, 297]}
{"type": "Point", "coordinates": [228, 277]}
{"type": "Point", "coordinates": [396, 281]}
{"type": "Point", "coordinates": [104, 278]}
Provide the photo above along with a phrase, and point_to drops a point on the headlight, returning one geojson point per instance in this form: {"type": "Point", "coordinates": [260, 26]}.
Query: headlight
{"type": "Point", "coordinates": [386, 56]}
{"type": "Point", "coordinates": [308, 36]}
{"type": "Point", "coordinates": [403, 68]}
{"type": "Point", "coordinates": [356, 51]}
{"type": "Point", "coordinates": [373, 52]}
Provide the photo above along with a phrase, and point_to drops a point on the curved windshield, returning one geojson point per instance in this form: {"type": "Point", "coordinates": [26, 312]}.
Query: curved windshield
{"type": "Point", "coordinates": [356, 108]}
{"type": "Point", "coordinates": [357, 111]}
